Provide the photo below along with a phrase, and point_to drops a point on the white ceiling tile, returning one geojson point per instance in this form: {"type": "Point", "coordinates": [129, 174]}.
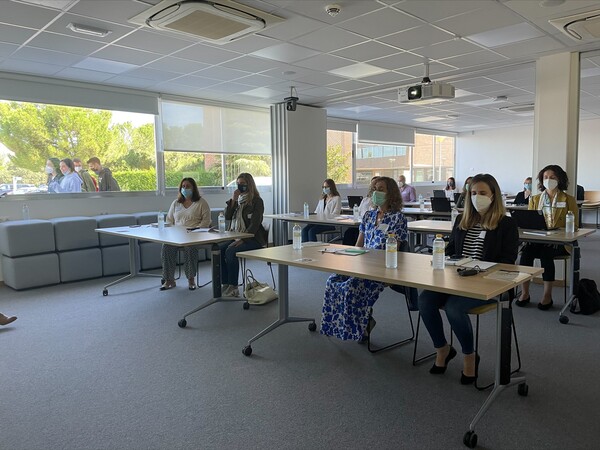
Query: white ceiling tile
{"type": "Point", "coordinates": [104, 65]}
{"type": "Point", "coordinates": [206, 54]}
{"type": "Point", "coordinates": [195, 81]}
{"type": "Point", "coordinates": [64, 43]}
{"type": "Point", "coordinates": [7, 49]}
{"type": "Point", "coordinates": [384, 78]}
{"type": "Point", "coordinates": [84, 75]}
{"type": "Point", "coordinates": [525, 72]}
{"type": "Point", "coordinates": [359, 70]}
{"type": "Point", "coordinates": [380, 23]}
{"type": "Point", "coordinates": [398, 61]}
{"type": "Point", "coordinates": [447, 49]}
{"type": "Point", "coordinates": [366, 51]}
{"type": "Point", "coordinates": [249, 44]}
{"type": "Point", "coordinates": [488, 18]}
{"type": "Point", "coordinates": [288, 53]}
{"type": "Point", "coordinates": [329, 39]}
{"type": "Point", "coordinates": [252, 64]}
{"type": "Point", "coordinates": [152, 74]}
{"type": "Point", "coordinates": [292, 28]}
{"type": "Point", "coordinates": [434, 69]}
{"type": "Point", "coordinates": [14, 35]}
{"type": "Point", "coordinates": [48, 56]}
{"type": "Point", "coordinates": [506, 35]}
{"type": "Point", "coordinates": [35, 68]}
{"type": "Point", "coordinates": [351, 85]}
{"type": "Point", "coordinates": [434, 10]}
{"type": "Point", "coordinates": [221, 73]}
{"type": "Point", "coordinates": [418, 37]}
{"type": "Point", "coordinates": [26, 15]}
{"type": "Point", "coordinates": [321, 91]}
{"type": "Point", "coordinates": [56, 4]}
{"type": "Point", "coordinates": [230, 88]}
{"type": "Point", "coordinates": [258, 80]}
{"type": "Point", "coordinates": [117, 11]}
{"type": "Point", "coordinates": [153, 42]}
{"type": "Point", "coordinates": [324, 62]}
{"type": "Point", "coordinates": [116, 31]}
{"type": "Point", "coordinates": [474, 59]}
{"type": "Point", "coordinates": [316, 9]}
{"type": "Point", "coordinates": [177, 65]}
{"type": "Point", "coordinates": [530, 47]}
{"type": "Point", "coordinates": [127, 55]}
{"type": "Point", "coordinates": [133, 82]}
{"type": "Point", "coordinates": [263, 92]}
{"type": "Point", "coordinates": [320, 79]}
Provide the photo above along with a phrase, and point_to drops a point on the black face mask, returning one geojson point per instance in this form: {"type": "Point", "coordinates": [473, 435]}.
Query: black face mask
{"type": "Point", "coordinates": [242, 187]}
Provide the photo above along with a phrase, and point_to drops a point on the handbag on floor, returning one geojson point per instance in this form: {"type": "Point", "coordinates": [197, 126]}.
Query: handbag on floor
{"type": "Point", "coordinates": [588, 298]}
{"type": "Point", "coordinates": [258, 293]}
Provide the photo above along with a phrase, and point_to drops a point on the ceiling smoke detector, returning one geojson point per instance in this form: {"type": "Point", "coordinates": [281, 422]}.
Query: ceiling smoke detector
{"type": "Point", "coordinates": [333, 10]}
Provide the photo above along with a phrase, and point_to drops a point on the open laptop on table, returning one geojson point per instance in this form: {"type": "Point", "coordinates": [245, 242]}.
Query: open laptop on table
{"type": "Point", "coordinates": [354, 200]}
{"type": "Point", "coordinates": [440, 204]}
{"type": "Point", "coordinates": [532, 220]}
{"type": "Point", "coordinates": [439, 193]}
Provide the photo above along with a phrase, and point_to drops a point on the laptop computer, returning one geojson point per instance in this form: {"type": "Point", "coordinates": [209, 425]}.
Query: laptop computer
{"type": "Point", "coordinates": [440, 204]}
{"type": "Point", "coordinates": [439, 193]}
{"type": "Point", "coordinates": [354, 200]}
{"type": "Point", "coordinates": [456, 197]}
{"type": "Point", "coordinates": [530, 219]}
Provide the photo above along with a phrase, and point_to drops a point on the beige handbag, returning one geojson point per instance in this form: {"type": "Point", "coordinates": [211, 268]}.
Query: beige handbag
{"type": "Point", "coordinates": [258, 293]}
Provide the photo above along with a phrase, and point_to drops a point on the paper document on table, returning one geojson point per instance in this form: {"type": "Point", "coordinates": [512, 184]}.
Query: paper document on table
{"type": "Point", "coordinates": [314, 244]}
{"type": "Point", "coordinates": [483, 265]}
{"type": "Point", "coordinates": [343, 217]}
{"type": "Point", "coordinates": [506, 275]}
{"type": "Point", "coordinates": [345, 251]}
{"type": "Point", "coordinates": [451, 261]}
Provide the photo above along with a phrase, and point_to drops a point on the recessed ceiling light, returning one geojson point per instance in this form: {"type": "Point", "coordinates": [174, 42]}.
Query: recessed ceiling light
{"type": "Point", "coordinates": [89, 30]}
{"type": "Point", "coordinates": [506, 35]}
{"type": "Point", "coordinates": [551, 3]}
{"type": "Point", "coordinates": [358, 70]}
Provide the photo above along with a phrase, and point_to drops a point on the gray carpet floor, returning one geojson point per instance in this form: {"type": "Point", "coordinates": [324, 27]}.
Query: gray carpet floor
{"type": "Point", "coordinates": [83, 371]}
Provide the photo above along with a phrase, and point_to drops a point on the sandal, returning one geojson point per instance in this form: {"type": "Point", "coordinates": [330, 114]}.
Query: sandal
{"type": "Point", "coordinates": [167, 285]}
{"type": "Point", "coordinates": [191, 284]}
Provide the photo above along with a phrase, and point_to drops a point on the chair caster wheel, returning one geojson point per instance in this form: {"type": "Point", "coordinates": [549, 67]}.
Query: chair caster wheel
{"type": "Point", "coordinates": [563, 319]}
{"type": "Point", "coordinates": [246, 305]}
{"type": "Point", "coordinates": [182, 323]}
{"type": "Point", "coordinates": [470, 439]}
{"type": "Point", "coordinates": [247, 350]}
{"type": "Point", "coordinates": [312, 326]}
{"type": "Point", "coordinates": [105, 292]}
{"type": "Point", "coordinates": [523, 389]}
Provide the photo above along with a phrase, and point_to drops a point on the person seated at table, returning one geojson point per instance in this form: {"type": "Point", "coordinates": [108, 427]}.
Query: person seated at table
{"type": "Point", "coordinates": [554, 203]}
{"type": "Point", "coordinates": [348, 299]}
{"type": "Point", "coordinates": [329, 206]}
{"type": "Point", "coordinates": [483, 232]}
{"type": "Point", "coordinates": [460, 203]}
{"type": "Point", "coordinates": [5, 320]}
{"type": "Point", "coordinates": [351, 234]}
{"type": "Point", "coordinates": [522, 197]}
{"type": "Point", "coordinates": [245, 212]}
{"type": "Point", "coordinates": [408, 193]}
{"type": "Point", "coordinates": [189, 209]}
{"type": "Point", "coordinates": [450, 188]}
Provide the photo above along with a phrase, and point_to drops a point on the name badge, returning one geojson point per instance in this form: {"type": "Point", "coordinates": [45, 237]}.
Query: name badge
{"type": "Point", "coordinates": [482, 235]}
{"type": "Point", "coordinates": [383, 227]}
{"type": "Point", "coordinates": [250, 216]}
{"type": "Point", "coordinates": [561, 204]}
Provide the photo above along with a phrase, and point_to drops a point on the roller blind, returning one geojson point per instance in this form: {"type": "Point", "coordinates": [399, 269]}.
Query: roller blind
{"type": "Point", "coordinates": [60, 92]}
{"type": "Point", "coordinates": [341, 124]}
{"type": "Point", "coordinates": [385, 134]}
{"type": "Point", "coordinates": [192, 127]}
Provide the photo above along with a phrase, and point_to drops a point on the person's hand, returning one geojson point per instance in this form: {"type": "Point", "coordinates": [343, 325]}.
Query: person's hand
{"type": "Point", "coordinates": [236, 194]}
{"type": "Point", "coordinates": [236, 243]}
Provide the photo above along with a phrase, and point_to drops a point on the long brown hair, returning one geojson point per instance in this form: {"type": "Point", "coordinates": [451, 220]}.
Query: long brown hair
{"type": "Point", "coordinates": [332, 186]}
{"type": "Point", "coordinates": [495, 213]}
{"type": "Point", "coordinates": [393, 199]}
{"type": "Point", "coordinates": [252, 191]}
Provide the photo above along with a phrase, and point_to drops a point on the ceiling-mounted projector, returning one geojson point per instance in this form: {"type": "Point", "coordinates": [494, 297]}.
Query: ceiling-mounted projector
{"type": "Point", "coordinates": [425, 91]}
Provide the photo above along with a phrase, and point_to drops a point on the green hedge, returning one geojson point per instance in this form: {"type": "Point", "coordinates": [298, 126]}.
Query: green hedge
{"type": "Point", "coordinates": [145, 180]}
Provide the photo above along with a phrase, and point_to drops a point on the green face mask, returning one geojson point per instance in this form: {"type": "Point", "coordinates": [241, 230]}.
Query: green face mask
{"type": "Point", "coordinates": [378, 198]}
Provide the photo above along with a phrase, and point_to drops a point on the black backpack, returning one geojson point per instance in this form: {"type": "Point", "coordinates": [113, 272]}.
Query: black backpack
{"type": "Point", "coordinates": [588, 298]}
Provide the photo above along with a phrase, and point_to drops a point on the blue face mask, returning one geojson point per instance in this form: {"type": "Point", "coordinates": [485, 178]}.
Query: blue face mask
{"type": "Point", "coordinates": [187, 193]}
{"type": "Point", "coordinates": [527, 186]}
{"type": "Point", "coordinates": [326, 191]}
{"type": "Point", "coordinates": [378, 198]}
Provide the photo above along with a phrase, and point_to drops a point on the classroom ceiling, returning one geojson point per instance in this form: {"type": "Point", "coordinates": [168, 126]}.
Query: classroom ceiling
{"type": "Point", "coordinates": [485, 48]}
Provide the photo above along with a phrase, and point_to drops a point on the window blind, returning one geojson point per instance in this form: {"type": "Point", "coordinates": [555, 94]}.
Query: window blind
{"type": "Point", "coordinates": [385, 134]}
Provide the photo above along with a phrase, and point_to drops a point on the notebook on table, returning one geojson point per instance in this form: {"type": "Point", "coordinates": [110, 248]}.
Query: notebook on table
{"type": "Point", "coordinates": [530, 219]}
{"type": "Point", "coordinates": [354, 200]}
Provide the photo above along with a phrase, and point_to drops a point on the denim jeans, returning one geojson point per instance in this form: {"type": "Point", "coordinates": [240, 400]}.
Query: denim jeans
{"type": "Point", "coordinates": [309, 232]}
{"type": "Point", "coordinates": [230, 268]}
{"type": "Point", "coordinates": [456, 310]}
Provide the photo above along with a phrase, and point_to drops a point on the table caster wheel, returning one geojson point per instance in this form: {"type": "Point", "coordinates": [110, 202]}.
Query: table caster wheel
{"type": "Point", "coordinates": [312, 326]}
{"type": "Point", "coordinates": [105, 292]}
{"type": "Point", "coordinates": [247, 350]}
{"type": "Point", "coordinates": [182, 323]}
{"type": "Point", "coordinates": [563, 319]}
{"type": "Point", "coordinates": [523, 389]}
{"type": "Point", "coordinates": [246, 305]}
{"type": "Point", "coordinates": [470, 439]}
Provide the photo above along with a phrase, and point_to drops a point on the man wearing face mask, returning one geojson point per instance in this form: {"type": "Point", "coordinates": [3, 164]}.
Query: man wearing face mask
{"type": "Point", "coordinates": [191, 211]}
{"type": "Point", "coordinates": [522, 197]}
{"type": "Point", "coordinates": [482, 232]}
{"type": "Point", "coordinates": [89, 183]}
{"type": "Point", "coordinates": [554, 203]}
{"type": "Point", "coordinates": [106, 182]}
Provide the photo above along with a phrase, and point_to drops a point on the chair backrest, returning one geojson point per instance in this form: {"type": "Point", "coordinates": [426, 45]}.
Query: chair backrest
{"type": "Point", "coordinates": [456, 196]}
{"type": "Point", "coordinates": [354, 200]}
{"type": "Point", "coordinates": [440, 204]}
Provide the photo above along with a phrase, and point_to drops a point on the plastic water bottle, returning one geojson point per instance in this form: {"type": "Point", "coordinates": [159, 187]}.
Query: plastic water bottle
{"type": "Point", "coordinates": [356, 213]}
{"type": "Point", "coordinates": [439, 252]}
{"type": "Point", "coordinates": [454, 215]}
{"type": "Point", "coordinates": [421, 202]}
{"type": "Point", "coordinates": [297, 240]}
{"type": "Point", "coordinates": [25, 212]}
{"type": "Point", "coordinates": [306, 211]}
{"type": "Point", "coordinates": [570, 224]}
{"type": "Point", "coordinates": [504, 199]}
{"type": "Point", "coordinates": [221, 222]}
{"type": "Point", "coordinates": [161, 220]}
{"type": "Point", "coordinates": [391, 252]}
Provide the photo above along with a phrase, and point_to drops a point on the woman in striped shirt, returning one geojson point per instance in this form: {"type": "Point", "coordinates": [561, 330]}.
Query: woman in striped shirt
{"type": "Point", "coordinates": [483, 232]}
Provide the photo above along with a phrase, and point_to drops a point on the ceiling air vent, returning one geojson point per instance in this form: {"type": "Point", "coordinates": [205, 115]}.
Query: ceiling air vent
{"type": "Point", "coordinates": [581, 27]}
{"type": "Point", "coordinates": [524, 110]}
{"type": "Point", "coordinates": [218, 22]}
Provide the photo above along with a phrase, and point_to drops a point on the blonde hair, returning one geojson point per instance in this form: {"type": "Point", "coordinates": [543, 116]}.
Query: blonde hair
{"type": "Point", "coordinates": [495, 213]}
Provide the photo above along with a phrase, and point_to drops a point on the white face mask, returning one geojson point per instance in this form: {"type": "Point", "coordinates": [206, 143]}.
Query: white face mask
{"type": "Point", "coordinates": [401, 183]}
{"type": "Point", "coordinates": [49, 169]}
{"type": "Point", "coordinates": [78, 168]}
{"type": "Point", "coordinates": [550, 184]}
{"type": "Point", "coordinates": [481, 202]}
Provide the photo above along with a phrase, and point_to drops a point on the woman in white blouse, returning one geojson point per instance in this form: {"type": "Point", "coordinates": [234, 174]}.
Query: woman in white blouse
{"type": "Point", "coordinates": [188, 210]}
{"type": "Point", "coordinates": [329, 206]}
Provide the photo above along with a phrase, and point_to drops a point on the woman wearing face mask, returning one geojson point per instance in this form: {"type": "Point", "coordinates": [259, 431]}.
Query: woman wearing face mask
{"type": "Point", "coordinates": [450, 188]}
{"type": "Point", "coordinates": [483, 232]}
{"type": "Point", "coordinates": [522, 197]}
{"type": "Point", "coordinates": [460, 203]}
{"type": "Point", "coordinates": [245, 210]}
{"type": "Point", "coordinates": [408, 193]}
{"type": "Point", "coordinates": [348, 299]}
{"type": "Point", "coordinates": [366, 204]}
{"type": "Point", "coordinates": [70, 182]}
{"type": "Point", "coordinates": [188, 210]}
{"type": "Point", "coordinates": [554, 203]}
{"type": "Point", "coordinates": [54, 174]}
{"type": "Point", "coordinates": [329, 206]}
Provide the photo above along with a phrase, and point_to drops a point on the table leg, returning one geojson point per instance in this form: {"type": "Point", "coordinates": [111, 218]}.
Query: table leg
{"type": "Point", "coordinates": [284, 316]}
{"type": "Point", "coordinates": [574, 269]}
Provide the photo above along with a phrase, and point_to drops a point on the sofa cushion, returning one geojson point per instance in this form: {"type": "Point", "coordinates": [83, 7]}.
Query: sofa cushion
{"type": "Point", "coordinates": [30, 271]}
{"type": "Point", "coordinates": [80, 264]}
{"type": "Point", "coordinates": [146, 218]}
{"type": "Point", "coordinates": [74, 233]}
{"type": "Point", "coordinates": [26, 237]}
{"type": "Point", "coordinates": [113, 220]}
{"type": "Point", "coordinates": [115, 260]}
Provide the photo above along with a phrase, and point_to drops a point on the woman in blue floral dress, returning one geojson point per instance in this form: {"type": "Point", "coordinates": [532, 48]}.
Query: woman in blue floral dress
{"type": "Point", "coordinates": [348, 299]}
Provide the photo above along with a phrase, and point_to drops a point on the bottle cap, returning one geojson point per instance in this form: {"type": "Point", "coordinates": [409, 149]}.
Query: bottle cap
{"type": "Point", "coordinates": [438, 236]}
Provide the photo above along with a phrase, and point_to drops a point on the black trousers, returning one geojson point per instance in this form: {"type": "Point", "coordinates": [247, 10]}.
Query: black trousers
{"type": "Point", "coordinates": [546, 254]}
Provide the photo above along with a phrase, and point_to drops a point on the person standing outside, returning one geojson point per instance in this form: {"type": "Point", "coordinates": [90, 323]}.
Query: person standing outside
{"type": "Point", "coordinates": [408, 193]}
{"type": "Point", "coordinates": [70, 181]}
{"type": "Point", "coordinates": [89, 183]}
{"type": "Point", "coordinates": [106, 182]}
{"type": "Point", "coordinates": [54, 174]}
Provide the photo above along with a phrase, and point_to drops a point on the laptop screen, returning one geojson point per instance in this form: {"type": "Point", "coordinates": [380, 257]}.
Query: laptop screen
{"type": "Point", "coordinates": [439, 193]}
{"type": "Point", "coordinates": [529, 219]}
{"type": "Point", "coordinates": [354, 200]}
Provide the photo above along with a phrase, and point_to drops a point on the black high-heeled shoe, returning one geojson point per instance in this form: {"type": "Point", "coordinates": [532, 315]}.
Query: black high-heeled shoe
{"type": "Point", "coordinates": [466, 380]}
{"type": "Point", "coordinates": [437, 370]}
{"type": "Point", "coordinates": [545, 306]}
{"type": "Point", "coordinates": [523, 302]}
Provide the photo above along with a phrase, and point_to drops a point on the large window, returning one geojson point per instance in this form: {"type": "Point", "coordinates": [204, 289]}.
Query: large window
{"type": "Point", "coordinates": [32, 133]}
{"type": "Point", "coordinates": [339, 156]}
{"type": "Point", "coordinates": [433, 158]}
